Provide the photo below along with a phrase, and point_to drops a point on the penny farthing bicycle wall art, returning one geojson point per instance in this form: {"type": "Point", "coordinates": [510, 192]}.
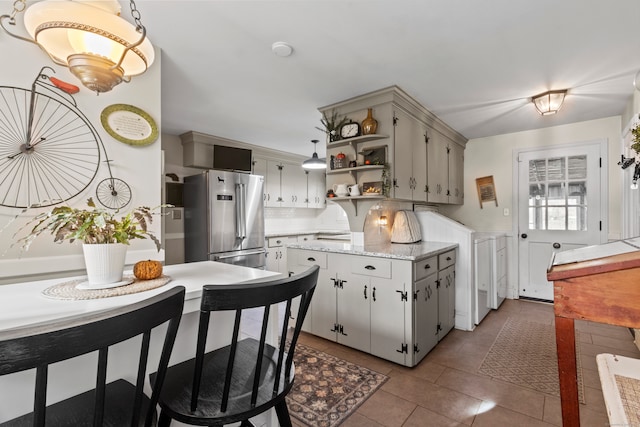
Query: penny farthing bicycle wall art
{"type": "Point", "coordinates": [49, 151]}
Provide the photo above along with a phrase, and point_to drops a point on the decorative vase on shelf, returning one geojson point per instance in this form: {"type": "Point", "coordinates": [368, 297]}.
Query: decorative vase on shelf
{"type": "Point", "coordinates": [369, 125]}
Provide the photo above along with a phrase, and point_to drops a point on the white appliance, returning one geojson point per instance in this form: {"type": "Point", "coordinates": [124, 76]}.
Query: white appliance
{"type": "Point", "coordinates": [481, 282]}
{"type": "Point", "coordinates": [483, 276]}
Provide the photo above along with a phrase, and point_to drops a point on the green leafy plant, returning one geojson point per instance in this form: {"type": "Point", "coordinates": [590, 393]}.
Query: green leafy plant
{"type": "Point", "coordinates": [332, 124]}
{"type": "Point", "coordinates": [636, 138]}
{"type": "Point", "coordinates": [92, 226]}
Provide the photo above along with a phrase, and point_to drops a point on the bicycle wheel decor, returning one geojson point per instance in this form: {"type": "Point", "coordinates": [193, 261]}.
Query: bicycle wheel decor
{"type": "Point", "coordinates": [113, 193]}
{"type": "Point", "coordinates": [49, 152]}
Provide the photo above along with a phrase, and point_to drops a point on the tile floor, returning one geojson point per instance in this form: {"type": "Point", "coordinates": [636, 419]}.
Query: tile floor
{"type": "Point", "coordinates": [446, 390]}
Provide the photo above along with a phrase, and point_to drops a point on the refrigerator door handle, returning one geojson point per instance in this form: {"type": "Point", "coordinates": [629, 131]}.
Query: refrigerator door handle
{"type": "Point", "coordinates": [260, 251]}
{"type": "Point", "coordinates": [241, 223]}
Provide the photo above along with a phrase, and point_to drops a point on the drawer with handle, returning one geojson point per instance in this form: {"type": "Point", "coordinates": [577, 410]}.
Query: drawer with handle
{"type": "Point", "coordinates": [425, 267]}
{"type": "Point", "coordinates": [446, 259]}
{"type": "Point", "coordinates": [311, 258]}
{"type": "Point", "coordinates": [370, 266]}
{"type": "Point", "coordinates": [279, 241]}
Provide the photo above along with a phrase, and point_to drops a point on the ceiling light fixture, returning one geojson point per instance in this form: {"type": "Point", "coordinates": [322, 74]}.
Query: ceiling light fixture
{"type": "Point", "coordinates": [314, 162]}
{"type": "Point", "coordinates": [549, 102]}
{"type": "Point", "coordinates": [282, 49]}
{"type": "Point", "coordinates": [89, 37]}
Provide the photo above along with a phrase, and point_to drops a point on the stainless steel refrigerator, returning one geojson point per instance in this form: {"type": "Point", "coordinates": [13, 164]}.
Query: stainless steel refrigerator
{"type": "Point", "coordinates": [224, 218]}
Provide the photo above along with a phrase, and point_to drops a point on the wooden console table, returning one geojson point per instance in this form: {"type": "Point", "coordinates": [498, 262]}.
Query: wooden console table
{"type": "Point", "coordinates": [597, 283]}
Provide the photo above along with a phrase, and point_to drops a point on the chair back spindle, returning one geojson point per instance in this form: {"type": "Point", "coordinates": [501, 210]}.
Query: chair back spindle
{"type": "Point", "coordinates": [118, 403]}
{"type": "Point", "coordinates": [250, 374]}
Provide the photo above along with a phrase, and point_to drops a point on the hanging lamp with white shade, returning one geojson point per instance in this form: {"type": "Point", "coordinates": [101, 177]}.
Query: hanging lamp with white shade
{"type": "Point", "coordinates": [88, 37]}
{"type": "Point", "coordinates": [314, 162]}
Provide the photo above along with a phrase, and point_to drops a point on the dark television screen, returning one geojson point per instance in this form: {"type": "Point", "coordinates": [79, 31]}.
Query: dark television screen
{"type": "Point", "coordinates": [231, 158]}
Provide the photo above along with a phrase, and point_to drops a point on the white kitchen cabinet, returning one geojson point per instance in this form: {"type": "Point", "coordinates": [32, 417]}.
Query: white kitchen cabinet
{"type": "Point", "coordinates": [394, 309]}
{"type": "Point", "coordinates": [410, 145]}
{"type": "Point", "coordinates": [285, 182]}
{"type": "Point", "coordinates": [415, 172]}
{"type": "Point", "coordinates": [340, 308]}
{"type": "Point", "coordinates": [437, 168]}
{"type": "Point", "coordinates": [298, 261]}
{"type": "Point", "coordinates": [316, 189]}
{"type": "Point", "coordinates": [446, 293]}
{"type": "Point", "coordinates": [390, 310]}
{"type": "Point", "coordinates": [425, 297]}
{"type": "Point", "coordinates": [381, 299]}
{"type": "Point", "coordinates": [276, 256]}
{"type": "Point", "coordinates": [456, 174]}
{"type": "Point", "coordinates": [445, 170]}
{"type": "Point", "coordinates": [293, 185]}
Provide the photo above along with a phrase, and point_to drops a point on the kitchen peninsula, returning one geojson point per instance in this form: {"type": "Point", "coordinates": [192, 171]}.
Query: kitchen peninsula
{"type": "Point", "coordinates": [395, 301]}
{"type": "Point", "coordinates": [24, 304]}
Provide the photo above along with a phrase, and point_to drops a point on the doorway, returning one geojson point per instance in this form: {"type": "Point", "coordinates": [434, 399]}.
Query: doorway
{"type": "Point", "coordinates": [561, 195]}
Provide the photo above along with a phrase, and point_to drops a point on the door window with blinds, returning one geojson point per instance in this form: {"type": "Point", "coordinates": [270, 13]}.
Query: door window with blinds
{"type": "Point", "coordinates": [558, 193]}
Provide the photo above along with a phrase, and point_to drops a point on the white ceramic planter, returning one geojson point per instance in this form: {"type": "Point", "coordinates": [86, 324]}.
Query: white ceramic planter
{"type": "Point", "coordinates": [104, 262]}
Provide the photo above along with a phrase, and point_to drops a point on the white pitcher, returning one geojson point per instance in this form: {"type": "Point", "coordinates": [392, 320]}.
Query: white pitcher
{"type": "Point", "coordinates": [341, 190]}
{"type": "Point", "coordinates": [354, 190]}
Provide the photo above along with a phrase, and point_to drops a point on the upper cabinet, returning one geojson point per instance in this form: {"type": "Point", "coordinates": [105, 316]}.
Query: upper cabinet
{"type": "Point", "coordinates": [420, 158]}
{"type": "Point", "coordinates": [287, 184]}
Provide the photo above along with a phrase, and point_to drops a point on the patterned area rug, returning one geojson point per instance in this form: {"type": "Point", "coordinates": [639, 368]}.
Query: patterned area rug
{"type": "Point", "coordinates": [327, 389]}
{"type": "Point", "coordinates": [524, 353]}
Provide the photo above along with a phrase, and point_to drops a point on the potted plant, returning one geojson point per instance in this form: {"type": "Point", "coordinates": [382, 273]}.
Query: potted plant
{"type": "Point", "coordinates": [105, 237]}
{"type": "Point", "coordinates": [635, 146]}
{"type": "Point", "coordinates": [331, 125]}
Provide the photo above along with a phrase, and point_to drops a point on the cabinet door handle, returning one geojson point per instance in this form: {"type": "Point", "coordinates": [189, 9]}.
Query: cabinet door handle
{"type": "Point", "coordinates": [415, 296]}
{"type": "Point", "coordinates": [335, 282]}
{"type": "Point", "coordinates": [335, 328]}
{"type": "Point", "coordinates": [312, 259]}
{"type": "Point", "coordinates": [427, 266]}
{"type": "Point", "coordinates": [365, 291]}
{"type": "Point", "coordinates": [278, 241]}
{"type": "Point", "coordinates": [341, 283]}
{"type": "Point", "coordinates": [369, 267]}
{"type": "Point", "coordinates": [374, 294]}
{"type": "Point", "coordinates": [448, 258]}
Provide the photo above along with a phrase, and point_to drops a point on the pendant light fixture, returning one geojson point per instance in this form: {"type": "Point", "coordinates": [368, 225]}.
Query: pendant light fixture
{"type": "Point", "coordinates": [314, 162]}
{"type": "Point", "coordinates": [89, 37]}
{"type": "Point", "coordinates": [549, 102]}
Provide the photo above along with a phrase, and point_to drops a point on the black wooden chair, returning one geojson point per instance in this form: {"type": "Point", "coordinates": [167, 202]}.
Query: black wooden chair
{"type": "Point", "coordinates": [116, 404]}
{"type": "Point", "coordinates": [248, 376]}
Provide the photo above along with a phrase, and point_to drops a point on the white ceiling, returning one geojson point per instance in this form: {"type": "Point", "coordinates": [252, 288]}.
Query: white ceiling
{"type": "Point", "coordinates": [474, 63]}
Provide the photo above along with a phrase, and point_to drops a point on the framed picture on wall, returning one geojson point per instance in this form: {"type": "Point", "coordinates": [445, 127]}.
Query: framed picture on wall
{"type": "Point", "coordinates": [486, 190]}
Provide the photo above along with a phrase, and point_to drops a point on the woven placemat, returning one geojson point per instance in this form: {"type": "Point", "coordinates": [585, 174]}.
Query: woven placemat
{"type": "Point", "coordinates": [68, 291]}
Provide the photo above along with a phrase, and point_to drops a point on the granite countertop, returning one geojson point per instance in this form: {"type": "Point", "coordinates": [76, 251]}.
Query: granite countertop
{"type": "Point", "coordinates": [411, 251]}
{"type": "Point", "coordinates": [301, 232]}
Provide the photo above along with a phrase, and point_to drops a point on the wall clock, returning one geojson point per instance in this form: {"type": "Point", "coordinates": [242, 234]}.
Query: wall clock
{"type": "Point", "coordinates": [350, 130]}
{"type": "Point", "coordinates": [129, 124]}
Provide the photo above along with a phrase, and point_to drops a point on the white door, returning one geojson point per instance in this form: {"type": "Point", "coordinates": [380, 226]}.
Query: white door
{"type": "Point", "coordinates": [559, 208]}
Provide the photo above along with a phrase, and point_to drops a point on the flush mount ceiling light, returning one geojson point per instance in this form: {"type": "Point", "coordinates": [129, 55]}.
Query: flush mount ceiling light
{"type": "Point", "coordinates": [549, 102]}
{"type": "Point", "coordinates": [282, 49]}
{"type": "Point", "coordinates": [89, 37]}
{"type": "Point", "coordinates": [314, 162]}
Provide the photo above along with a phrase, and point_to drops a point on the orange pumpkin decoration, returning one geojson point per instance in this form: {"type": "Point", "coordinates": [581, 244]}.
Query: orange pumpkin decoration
{"type": "Point", "coordinates": [147, 270]}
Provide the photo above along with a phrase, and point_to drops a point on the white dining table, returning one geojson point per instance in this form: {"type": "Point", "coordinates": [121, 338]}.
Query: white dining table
{"type": "Point", "coordinates": [24, 304]}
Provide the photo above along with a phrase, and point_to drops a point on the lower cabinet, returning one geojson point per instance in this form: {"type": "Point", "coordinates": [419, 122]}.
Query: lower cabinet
{"type": "Point", "coordinates": [425, 297]}
{"type": "Point", "coordinates": [446, 293]}
{"type": "Point", "coordinates": [276, 256]}
{"type": "Point", "coordinates": [386, 307]}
